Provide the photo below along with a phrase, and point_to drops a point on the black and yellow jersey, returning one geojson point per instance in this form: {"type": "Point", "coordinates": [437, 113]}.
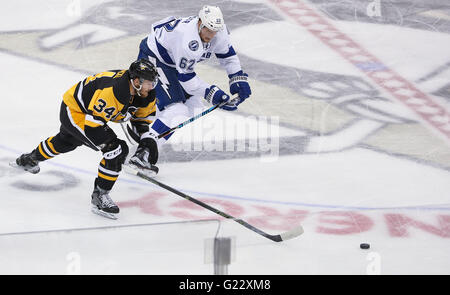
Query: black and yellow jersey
{"type": "Point", "coordinates": [105, 97]}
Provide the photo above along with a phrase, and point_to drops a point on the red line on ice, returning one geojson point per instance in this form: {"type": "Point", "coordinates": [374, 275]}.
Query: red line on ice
{"type": "Point", "coordinates": [431, 113]}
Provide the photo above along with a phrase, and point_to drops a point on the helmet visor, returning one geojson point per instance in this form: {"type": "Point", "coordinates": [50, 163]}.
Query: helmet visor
{"type": "Point", "coordinates": [151, 83]}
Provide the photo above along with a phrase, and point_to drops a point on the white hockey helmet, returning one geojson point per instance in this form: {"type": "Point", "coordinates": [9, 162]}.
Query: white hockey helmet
{"type": "Point", "coordinates": [211, 17]}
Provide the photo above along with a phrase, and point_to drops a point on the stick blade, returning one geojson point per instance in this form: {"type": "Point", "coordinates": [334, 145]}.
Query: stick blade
{"type": "Point", "coordinates": [290, 234]}
{"type": "Point", "coordinates": [149, 172]}
{"type": "Point", "coordinates": [129, 169]}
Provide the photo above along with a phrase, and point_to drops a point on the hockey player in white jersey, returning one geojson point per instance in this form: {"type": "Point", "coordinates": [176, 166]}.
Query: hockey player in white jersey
{"type": "Point", "coordinates": [176, 45]}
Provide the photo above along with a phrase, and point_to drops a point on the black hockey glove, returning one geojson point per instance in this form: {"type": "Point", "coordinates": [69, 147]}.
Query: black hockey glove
{"type": "Point", "coordinates": [135, 129]}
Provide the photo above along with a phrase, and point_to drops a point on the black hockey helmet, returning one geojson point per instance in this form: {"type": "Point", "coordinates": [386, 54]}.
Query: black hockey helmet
{"type": "Point", "coordinates": [143, 69]}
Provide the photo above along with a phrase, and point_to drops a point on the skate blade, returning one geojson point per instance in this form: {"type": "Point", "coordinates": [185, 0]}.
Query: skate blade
{"type": "Point", "coordinates": [146, 172]}
{"type": "Point", "coordinates": [33, 170]}
{"type": "Point", "coordinates": [97, 211]}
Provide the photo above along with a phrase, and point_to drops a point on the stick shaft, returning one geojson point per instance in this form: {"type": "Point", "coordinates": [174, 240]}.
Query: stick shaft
{"type": "Point", "coordinates": [126, 133]}
{"type": "Point", "coordinates": [207, 111]}
{"type": "Point", "coordinates": [276, 238]}
{"type": "Point", "coordinates": [188, 121]}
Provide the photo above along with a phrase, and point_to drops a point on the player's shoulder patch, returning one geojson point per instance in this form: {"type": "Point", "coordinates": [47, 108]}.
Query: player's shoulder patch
{"type": "Point", "coordinates": [193, 45]}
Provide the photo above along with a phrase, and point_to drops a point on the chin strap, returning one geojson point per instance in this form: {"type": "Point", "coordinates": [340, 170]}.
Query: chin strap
{"type": "Point", "coordinates": [200, 27]}
{"type": "Point", "coordinates": [138, 90]}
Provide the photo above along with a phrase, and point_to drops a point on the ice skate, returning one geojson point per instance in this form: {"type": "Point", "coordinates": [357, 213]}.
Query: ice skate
{"type": "Point", "coordinates": [27, 162]}
{"type": "Point", "coordinates": [103, 205]}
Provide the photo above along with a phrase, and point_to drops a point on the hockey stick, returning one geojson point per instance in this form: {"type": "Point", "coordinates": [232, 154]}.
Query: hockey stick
{"type": "Point", "coordinates": [207, 111]}
{"type": "Point", "coordinates": [126, 133]}
{"type": "Point", "coordinates": [290, 234]}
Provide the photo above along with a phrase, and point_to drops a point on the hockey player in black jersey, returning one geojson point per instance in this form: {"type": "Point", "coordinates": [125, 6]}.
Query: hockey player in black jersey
{"type": "Point", "coordinates": [87, 107]}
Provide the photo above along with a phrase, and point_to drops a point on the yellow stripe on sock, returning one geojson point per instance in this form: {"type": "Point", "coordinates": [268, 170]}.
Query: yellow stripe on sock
{"type": "Point", "coordinates": [42, 152]}
{"type": "Point", "coordinates": [107, 177]}
{"type": "Point", "coordinates": [52, 148]}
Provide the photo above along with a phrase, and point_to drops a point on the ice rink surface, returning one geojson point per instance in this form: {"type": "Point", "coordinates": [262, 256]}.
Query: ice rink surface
{"type": "Point", "coordinates": [347, 133]}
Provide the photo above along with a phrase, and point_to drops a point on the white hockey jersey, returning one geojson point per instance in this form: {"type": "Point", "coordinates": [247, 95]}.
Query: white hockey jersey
{"type": "Point", "coordinates": [176, 43]}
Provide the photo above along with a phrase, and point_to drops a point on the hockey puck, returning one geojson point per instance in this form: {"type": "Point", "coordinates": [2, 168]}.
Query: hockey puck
{"type": "Point", "coordinates": [364, 246]}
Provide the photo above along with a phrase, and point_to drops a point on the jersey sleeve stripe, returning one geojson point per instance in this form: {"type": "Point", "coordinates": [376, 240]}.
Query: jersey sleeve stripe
{"type": "Point", "coordinates": [90, 121]}
{"type": "Point", "coordinates": [186, 77]}
{"type": "Point", "coordinates": [230, 52]}
{"type": "Point", "coordinates": [78, 96]}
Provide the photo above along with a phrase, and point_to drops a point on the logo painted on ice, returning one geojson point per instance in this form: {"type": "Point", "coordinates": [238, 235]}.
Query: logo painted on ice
{"type": "Point", "coordinates": [193, 45]}
{"type": "Point", "coordinates": [341, 223]}
{"type": "Point", "coordinates": [354, 105]}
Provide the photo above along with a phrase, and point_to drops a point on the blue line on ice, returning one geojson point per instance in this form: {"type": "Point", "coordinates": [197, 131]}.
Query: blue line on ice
{"type": "Point", "coordinates": [325, 206]}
